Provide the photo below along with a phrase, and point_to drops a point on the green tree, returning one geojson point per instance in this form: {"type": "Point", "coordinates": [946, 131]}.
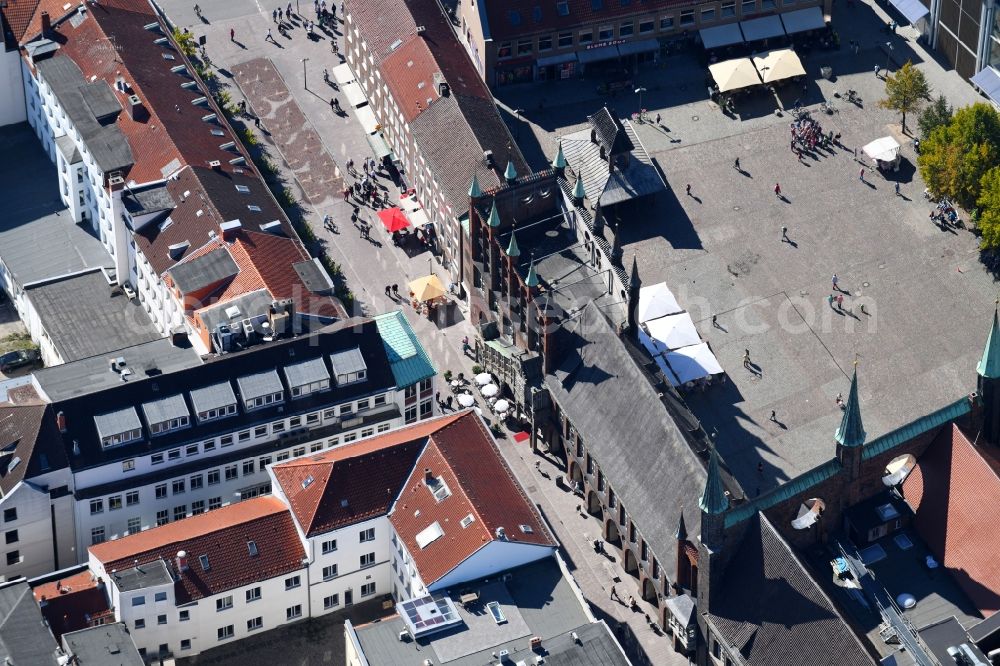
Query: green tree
{"type": "Point", "coordinates": [937, 114]}
{"type": "Point", "coordinates": [989, 206]}
{"type": "Point", "coordinates": [956, 156]}
{"type": "Point", "coordinates": [905, 91]}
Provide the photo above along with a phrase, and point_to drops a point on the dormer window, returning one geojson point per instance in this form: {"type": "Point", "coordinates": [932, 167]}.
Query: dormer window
{"type": "Point", "coordinates": [214, 402]}
{"type": "Point", "coordinates": [166, 415]}
{"type": "Point", "coordinates": [261, 389]}
{"type": "Point", "coordinates": [438, 488]}
{"type": "Point", "coordinates": [349, 367]}
{"type": "Point", "coordinates": [307, 377]}
{"type": "Point", "coordinates": [119, 427]}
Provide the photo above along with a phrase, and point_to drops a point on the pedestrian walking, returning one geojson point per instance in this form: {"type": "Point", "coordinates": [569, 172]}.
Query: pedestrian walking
{"type": "Point", "coordinates": [829, 300]}
{"type": "Point", "coordinates": [840, 301]}
{"type": "Point", "coordinates": [784, 234]}
{"type": "Point", "coordinates": [736, 164]}
{"type": "Point", "coordinates": [689, 190]}
{"type": "Point", "coordinates": [861, 175]}
{"type": "Point", "coordinates": [777, 190]}
{"type": "Point", "coordinates": [395, 290]}
{"type": "Point", "coordinates": [288, 11]}
{"type": "Point", "coordinates": [614, 593]}
{"type": "Point", "coordinates": [281, 15]}
{"type": "Point", "coordinates": [232, 34]}
{"type": "Point", "coordinates": [897, 188]}
{"type": "Point", "coordinates": [774, 416]}
{"type": "Point", "coordinates": [274, 15]}
{"type": "Point", "coordinates": [836, 281]}
{"type": "Point", "coordinates": [877, 70]}
{"type": "Point", "coordinates": [256, 121]}
{"type": "Point", "coordinates": [746, 358]}
{"type": "Point", "coordinates": [388, 290]}
{"type": "Point", "coordinates": [658, 119]}
{"type": "Point", "coordinates": [270, 37]}
{"type": "Point", "coordinates": [715, 321]}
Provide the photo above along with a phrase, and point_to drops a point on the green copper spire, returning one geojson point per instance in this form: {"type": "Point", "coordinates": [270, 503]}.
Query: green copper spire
{"type": "Point", "coordinates": [578, 191]}
{"type": "Point", "coordinates": [494, 220]}
{"type": "Point", "coordinates": [511, 173]}
{"type": "Point", "coordinates": [513, 250]}
{"type": "Point", "coordinates": [713, 500]}
{"type": "Point", "coordinates": [989, 366]}
{"type": "Point", "coordinates": [532, 279]}
{"type": "Point", "coordinates": [559, 161]}
{"type": "Point", "coordinates": [474, 189]}
{"type": "Point", "coordinates": [851, 432]}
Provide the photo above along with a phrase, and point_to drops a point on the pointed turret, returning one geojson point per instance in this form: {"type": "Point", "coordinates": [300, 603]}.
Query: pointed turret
{"type": "Point", "coordinates": [494, 219]}
{"type": "Point", "coordinates": [531, 280]}
{"type": "Point", "coordinates": [616, 247]}
{"type": "Point", "coordinates": [989, 365]}
{"type": "Point", "coordinates": [559, 161]}
{"type": "Point", "coordinates": [713, 499]}
{"type": "Point", "coordinates": [598, 221]}
{"type": "Point", "coordinates": [512, 249]}
{"type": "Point", "coordinates": [510, 173]}
{"type": "Point", "coordinates": [578, 192]}
{"type": "Point", "coordinates": [681, 533]}
{"type": "Point", "coordinates": [634, 283]}
{"type": "Point", "coordinates": [474, 190]}
{"type": "Point", "coordinates": [851, 432]}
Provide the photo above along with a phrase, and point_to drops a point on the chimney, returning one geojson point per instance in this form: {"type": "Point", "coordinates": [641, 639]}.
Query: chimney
{"type": "Point", "coordinates": [136, 110]}
{"type": "Point", "coordinates": [182, 561]}
{"type": "Point", "coordinates": [46, 25]}
{"type": "Point", "coordinates": [61, 421]}
{"type": "Point", "coordinates": [536, 643]}
{"type": "Point", "coordinates": [428, 476]}
{"type": "Point", "coordinates": [230, 229]}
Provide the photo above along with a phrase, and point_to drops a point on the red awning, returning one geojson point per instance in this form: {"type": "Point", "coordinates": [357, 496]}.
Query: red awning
{"type": "Point", "coordinates": [393, 219]}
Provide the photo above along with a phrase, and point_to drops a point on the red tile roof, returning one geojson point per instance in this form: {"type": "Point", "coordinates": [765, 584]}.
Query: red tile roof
{"type": "Point", "coordinates": [367, 475]}
{"type": "Point", "coordinates": [464, 456]}
{"type": "Point", "coordinates": [952, 490]}
{"type": "Point", "coordinates": [29, 435]}
{"type": "Point", "coordinates": [222, 535]}
{"type": "Point", "coordinates": [71, 603]}
{"type": "Point", "coordinates": [409, 73]}
{"type": "Point", "coordinates": [18, 14]}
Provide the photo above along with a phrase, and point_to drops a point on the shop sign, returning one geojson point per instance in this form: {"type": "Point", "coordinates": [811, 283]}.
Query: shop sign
{"type": "Point", "coordinates": [610, 42]}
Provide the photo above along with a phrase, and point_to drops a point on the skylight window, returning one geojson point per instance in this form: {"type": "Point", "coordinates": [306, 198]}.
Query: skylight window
{"type": "Point", "coordinates": [252, 547]}
{"type": "Point", "coordinates": [255, 209]}
{"type": "Point", "coordinates": [468, 520]}
{"type": "Point", "coordinates": [168, 56]}
{"type": "Point", "coordinates": [243, 189]}
{"type": "Point", "coordinates": [308, 481]}
{"type": "Point", "coordinates": [527, 529]}
{"type": "Point", "coordinates": [562, 8]}
{"type": "Point", "coordinates": [203, 560]}
{"type": "Point", "coordinates": [439, 488]}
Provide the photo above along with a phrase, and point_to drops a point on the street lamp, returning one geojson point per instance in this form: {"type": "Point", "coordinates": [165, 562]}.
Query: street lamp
{"type": "Point", "coordinates": [888, 56]}
{"type": "Point", "coordinates": [639, 91]}
{"type": "Point", "coordinates": [305, 80]}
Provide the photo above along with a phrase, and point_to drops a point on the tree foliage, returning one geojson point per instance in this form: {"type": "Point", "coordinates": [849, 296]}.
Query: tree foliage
{"type": "Point", "coordinates": [905, 91]}
{"type": "Point", "coordinates": [989, 206]}
{"type": "Point", "coordinates": [956, 156]}
{"type": "Point", "coordinates": [937, 114]}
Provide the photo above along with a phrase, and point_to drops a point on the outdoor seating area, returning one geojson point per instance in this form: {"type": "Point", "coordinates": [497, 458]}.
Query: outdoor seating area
{"type": "Point", "coordinates": [489, 389]}
{"type": "Point", "coordinates": [669, 335]}
{"type": "Point", "coordinates": [740, 75]}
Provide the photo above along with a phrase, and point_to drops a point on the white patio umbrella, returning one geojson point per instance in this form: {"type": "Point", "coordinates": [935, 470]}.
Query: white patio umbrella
{"type": "Point", "coordinates": [501, 406]}
{"type": "Point", "coordinates": [466, 400]}
{"type": "Point", "coordinates": [483, 378]}
{"type": "Point", "coordinates": [734, 74]}
{"type": "Point", "coordinates": [657, 301]}
{"type": "Point", "coordinates": [490, 390]}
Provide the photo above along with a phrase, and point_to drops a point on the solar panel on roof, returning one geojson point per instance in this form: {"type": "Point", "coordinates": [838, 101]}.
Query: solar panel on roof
{"type": "Point", "coordinates": [428, 614]}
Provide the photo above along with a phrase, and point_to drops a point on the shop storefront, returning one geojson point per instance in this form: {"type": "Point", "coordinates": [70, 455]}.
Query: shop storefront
{"type": "Point", "coordinates": [641, 51]}
{"type": "Point", "coordinates": [518, 70]}
{"type": "Point", "coordinates": [600, 56]}
{"type": "Point", "coordinates": [557, 67]}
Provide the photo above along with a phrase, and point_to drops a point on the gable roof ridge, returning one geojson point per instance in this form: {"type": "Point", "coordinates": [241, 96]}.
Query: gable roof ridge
{"type": "Point", "coordinates": [974, 449]}
{"type": "Point", "coordinates": [461, 487]}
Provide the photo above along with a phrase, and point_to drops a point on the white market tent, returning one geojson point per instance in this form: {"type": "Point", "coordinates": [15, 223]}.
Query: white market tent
{"type": "Point", "coordinates": [804, 20]}
{"type": "Point", "coordinates": [721, 35]}
{"type": "Point", "coordinates": [342, 74]}
{"type": "Point", "coordinates": [657, 301]}
{"type": "Point", "coordinates": [352, 91]}
{"type": "Point", "coordinates": [367, 119]}
{"type": "Point", "coordinates": [734, 74]}
{"type": "Point", "coordinates": [912, 10]}
{"type": "Point", "coordinates": [673, 331]}
{"type": "Point", "coordinates": [694, 362]}
{"type": "Point", "coordinates": [885, 149]}
{"type": "Point", "coordinates": [762, 28]}
{"type": "Point", "coordinates": [778, 65]}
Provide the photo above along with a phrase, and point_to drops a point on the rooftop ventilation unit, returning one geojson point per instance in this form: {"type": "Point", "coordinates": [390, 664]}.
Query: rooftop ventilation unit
{"type": "Point", "coordinates": [215, 164]}
{"type": "Point", "coordinates": [209, 117]}
{"type": "Point", "coordinates": [227, 145]}
{"type": "Point", "coordinates": [177, 69]}
{"type": "Point", "coordinates": [238, 160]}
{"type": "Point", "coordinates": [199, 100]}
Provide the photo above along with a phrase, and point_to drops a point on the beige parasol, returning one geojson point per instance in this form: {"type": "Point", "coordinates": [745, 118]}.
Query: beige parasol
{"type": "Point", "coordinates": [777, 65]}
{"type": "Point", "coordinates": [734, 74]}
{"type": "Point", "coordinates": [427, 288]}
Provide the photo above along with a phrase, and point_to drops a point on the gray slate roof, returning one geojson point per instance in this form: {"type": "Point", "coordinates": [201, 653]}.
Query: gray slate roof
{"type": "Point", "coordinates": [774, 614]}
{"type": "Point", "coordinates": [149, 200]}
{"type": "Point", "coordinates": [145, 575]}
{"type": "Point", "coordinates": [610, 131]}
{"type": "Point", "coordinates": [100, 100]}
{"type": "Point", "coordinates": [259, 384]}
{"type": "Point", "coordinates": [347, 361]}
{"type": "Point", "coordinates": [307, 372]}
{"type": "Point", "coordinates": [83, 319]}
{"type": "Point", "coordinates": [170, 407]}
{"type": "Point", "coordinates": [67, 147]}
{"type": "Point", "coordinates": [47, 247]}
{"type": "Point", "coordinates": [117, 422]}
{"type": "Point", "coordinates": [212, 397]}
{"type": "Point", "coordinates": [24, 636]}
{"type": "Point", "coordinates": [204, 270]}
{"type": "Point", "coordinates": [313, 276]}
{"type": "Point", "coordinates": [611, 186]}
{"type": "Point", "coordinates": [105, 645]}
{"type": "Point", "coordinates": [108, 145]}
{"type": "Point", "coordinates": [628, 431]}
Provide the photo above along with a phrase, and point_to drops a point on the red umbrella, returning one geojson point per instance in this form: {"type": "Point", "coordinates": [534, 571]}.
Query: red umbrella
{"type": "Point", "coordinates": [393, 219]}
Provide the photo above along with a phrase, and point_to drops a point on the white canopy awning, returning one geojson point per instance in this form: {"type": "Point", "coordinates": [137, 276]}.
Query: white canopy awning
{"type": "Point", "coordinates": [734, 74]}
{"type": "Point", "coordinates": [803, 20]}
{"type": "Point", "coordinates": [778, 65]}
{"type": "Point", "coordinates": [762, 28]}
{"type": "Point", "coordinates": [884, 149]}
{"type": "Point", "coordinates": [988, 81]}
{"type": "Point", "coordinates": [367, 119]}
{"type": "Point", "coordinates": [721, 35]}
{"type": "Point", "coordinates": [342, 74]}
{"type": "Point", "coordinates": [694, 362]}
{"type": "Point", "coordinates": [912, 10]}
{"type": "Point", "coordinates": [352, 91]}
{"type": "Point", "coordinates": [674, 331]}
{"type": "Point", "coordinates": [657, 301]}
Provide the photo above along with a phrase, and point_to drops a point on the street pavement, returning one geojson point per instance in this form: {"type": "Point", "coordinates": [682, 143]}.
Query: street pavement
{"type": "Point", "coordinates": [311, 145]}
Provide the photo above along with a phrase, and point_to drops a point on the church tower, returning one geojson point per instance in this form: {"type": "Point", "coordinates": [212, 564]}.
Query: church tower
{"type": "Point", "coordinates": [988, 384]}
{"type": "Point", "coordinates": [850, 436]}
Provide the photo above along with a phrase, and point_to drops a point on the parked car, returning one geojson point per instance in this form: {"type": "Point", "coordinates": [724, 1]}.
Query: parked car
{"type": "Point", "coordinates": [19, 359]}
